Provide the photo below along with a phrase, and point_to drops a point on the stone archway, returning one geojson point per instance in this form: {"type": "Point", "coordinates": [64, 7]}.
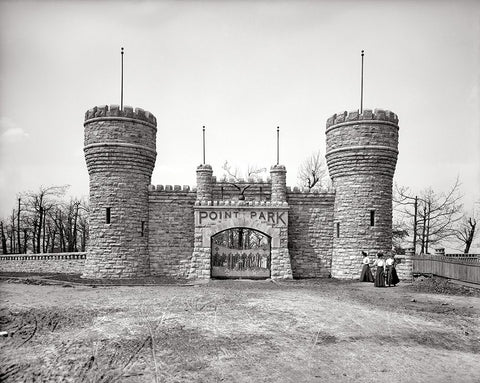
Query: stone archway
{"type": "Point", "coordinates": [240, 252]}
{"type": "Point", "coordinates": [271, 220]}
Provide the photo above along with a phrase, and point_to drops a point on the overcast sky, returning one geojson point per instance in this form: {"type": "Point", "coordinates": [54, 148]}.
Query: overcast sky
{"type": "Point", "coordinates": [241, 68]}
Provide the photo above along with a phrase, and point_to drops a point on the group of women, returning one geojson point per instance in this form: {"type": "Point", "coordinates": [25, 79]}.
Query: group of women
{"type": "Point", "coordinates": [386, 274]}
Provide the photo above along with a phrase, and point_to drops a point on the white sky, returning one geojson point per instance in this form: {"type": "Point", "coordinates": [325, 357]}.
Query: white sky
{"type": "Point", "coordinates": [241, 68]}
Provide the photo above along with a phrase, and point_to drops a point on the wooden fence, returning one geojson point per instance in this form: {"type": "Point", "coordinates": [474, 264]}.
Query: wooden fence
{"type": "Point", "coordinates": [465, 269]}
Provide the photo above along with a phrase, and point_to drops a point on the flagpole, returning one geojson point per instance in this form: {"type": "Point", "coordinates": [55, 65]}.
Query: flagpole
{"type": "Point", "coordinates": [121, 84]}
{"type": "Point", "coordinates": [278, 145]}
{"type": "Point", "coordinates": [361, 89]}
{"type": "Point", "coordinates": [204, 145]}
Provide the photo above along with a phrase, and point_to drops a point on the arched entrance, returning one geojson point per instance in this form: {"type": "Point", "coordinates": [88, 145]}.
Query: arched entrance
{"type": "Point", "coordinates": [240, 252]}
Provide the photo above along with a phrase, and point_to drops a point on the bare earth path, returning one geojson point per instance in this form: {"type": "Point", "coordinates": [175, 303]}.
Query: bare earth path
{"type": "Point", "coordinates": [238, 331]}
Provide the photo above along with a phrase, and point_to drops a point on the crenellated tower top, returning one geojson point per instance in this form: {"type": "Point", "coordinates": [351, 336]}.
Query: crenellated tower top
{"type": "Point", "coordinates": [114, 112]}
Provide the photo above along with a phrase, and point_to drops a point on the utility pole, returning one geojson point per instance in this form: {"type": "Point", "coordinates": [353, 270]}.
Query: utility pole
{"type": "Point", "coordinates": [415, 225]}
{"type": "Point", "coordinates": [18, 228]}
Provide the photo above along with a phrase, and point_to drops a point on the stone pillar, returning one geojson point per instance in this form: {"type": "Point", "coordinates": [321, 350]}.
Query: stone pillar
{"type": "Point", "coordinates": [120, 152]}
{"type": "Point", "coordinates": [405, 267]}
{"type": "Point", "coordinates": [204, 183]}
{"type": "Point", "coordinates": [361, 157]}
{"type": "Point", "coordinates": [278, 174]}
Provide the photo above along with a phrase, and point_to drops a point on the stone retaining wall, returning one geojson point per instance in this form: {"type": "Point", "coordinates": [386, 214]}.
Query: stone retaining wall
{"type": "Point", "coordinates": [68, 263]}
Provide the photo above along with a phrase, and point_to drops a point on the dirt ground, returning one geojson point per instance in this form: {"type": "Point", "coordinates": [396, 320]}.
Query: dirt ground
{"type": "Point", "coordinates": [239, 331]}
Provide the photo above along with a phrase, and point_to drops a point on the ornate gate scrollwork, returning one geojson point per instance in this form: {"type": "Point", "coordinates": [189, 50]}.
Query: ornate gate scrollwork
{"type": "Point", "coordinates": [241, 253]}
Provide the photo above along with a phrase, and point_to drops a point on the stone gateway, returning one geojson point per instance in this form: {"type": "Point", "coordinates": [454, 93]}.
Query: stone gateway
{"type": "Point", "coordinates": [269, 230]}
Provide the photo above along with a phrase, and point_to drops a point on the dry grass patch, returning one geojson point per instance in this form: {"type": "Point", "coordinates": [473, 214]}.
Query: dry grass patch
{"type": "Point", "coordinates": [232, 331]}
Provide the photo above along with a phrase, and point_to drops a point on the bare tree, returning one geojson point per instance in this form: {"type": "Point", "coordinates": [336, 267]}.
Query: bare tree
{"type": "Point", "coordinates": [4, 240]}
{"type": "Point", "coordinates": [39, 205]}
{"type": "Point", "coordinates": [432, 215]}
{"type": "Point", "coordinates": [466, 232]}
{"type": "Point", "coordinates": [312, 173]}
{"type": "Point", "coordinates": [253, 172]}
{"type": "Point", "coordinates": [47, 223]}
{"type": "Point", "coordinates": [240, 182]}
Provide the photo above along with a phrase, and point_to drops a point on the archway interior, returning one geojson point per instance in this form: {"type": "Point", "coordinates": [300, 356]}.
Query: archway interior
{"type": "Point", "coordinates": [241, 252]}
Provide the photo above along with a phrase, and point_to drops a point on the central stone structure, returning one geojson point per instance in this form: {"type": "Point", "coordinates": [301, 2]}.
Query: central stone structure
{"type": "Point", "coordinates": [215, 231]}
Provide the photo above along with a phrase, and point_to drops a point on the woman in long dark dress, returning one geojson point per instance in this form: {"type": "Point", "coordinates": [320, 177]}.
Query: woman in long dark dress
{"type": "Point", "coordinates": [380, 273]}
{"type": "Point", "coordinates": [392, 277]}
{"type": "Point", "coordinates": [366, 274]}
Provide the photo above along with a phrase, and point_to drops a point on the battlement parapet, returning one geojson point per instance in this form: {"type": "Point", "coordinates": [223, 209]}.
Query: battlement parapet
{"type": "Point", "coordinates": [114, 111]}
{"type": "Point", "coordinates": [366, 115]}
{"type": "Point", "coordinates": [278, 168]}
{"type": "Point", "coordinates": [241, 181]}
{"type": "Point", "coordinates": [307, 192]}
{"type": "Point", "coordinates": [204, 167]}
{"type": "Point", "coordinates": [235, 203]}
{"type": "Point", "coordinates": [171, 188]}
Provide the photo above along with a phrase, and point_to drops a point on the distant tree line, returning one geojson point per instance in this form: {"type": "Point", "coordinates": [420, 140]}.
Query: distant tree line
{"type": "Point", "coordinates": [45, 222]}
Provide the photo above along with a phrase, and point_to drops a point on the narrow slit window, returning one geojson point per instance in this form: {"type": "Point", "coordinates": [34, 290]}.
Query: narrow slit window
{"type": "Point", "coordinates": [372, 217]}
{"type": "Point", "coordinates": [143, 228]}
{"type": "Point", "coordinates": [107, 215]}
{"type": "Point", "coordinates": [338, 229]}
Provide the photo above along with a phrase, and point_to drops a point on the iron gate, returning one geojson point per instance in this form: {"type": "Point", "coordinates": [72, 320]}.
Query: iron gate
{"type": "Point", "coordinates": [241, 253]}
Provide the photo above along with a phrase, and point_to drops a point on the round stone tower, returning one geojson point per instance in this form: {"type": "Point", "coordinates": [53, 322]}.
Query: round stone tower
{"type": "Point", "coordinates": [120, 155]}
{"type": "Point", "coordinates": [361, 155]}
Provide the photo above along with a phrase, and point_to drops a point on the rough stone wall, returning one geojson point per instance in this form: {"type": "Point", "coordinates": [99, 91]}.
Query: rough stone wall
{"type": "Point", "coordinates": [310, 233]}
{"type": "Point", "coordinates": [171, 228]}
{"type": "Point", "coordinates": [120, 156]}
{"type": "Point", "coordinates": [68, 263]}
{"type": "Point", "coordinates": [361, 157]}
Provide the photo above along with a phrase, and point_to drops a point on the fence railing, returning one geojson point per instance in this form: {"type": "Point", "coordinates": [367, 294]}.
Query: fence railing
{"type": "Point", "coordinates": [42, 256]}
{"type": "Point", "coordinates": [466, 268]}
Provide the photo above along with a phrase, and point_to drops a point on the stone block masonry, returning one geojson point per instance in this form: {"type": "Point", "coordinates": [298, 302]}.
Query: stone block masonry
{"type": "Point", "coordinates": [361, 155]}
{"type": "Point", "coordinates": [120, 155]}
{"type": "Point", "coordinates": [171, 226]}
{"type": "Point", "coordinates": [137, 229]}
{"type": "Point", "coordinates": [310, 233]}
{"type": "Point", "coordinates": [64, 263]}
